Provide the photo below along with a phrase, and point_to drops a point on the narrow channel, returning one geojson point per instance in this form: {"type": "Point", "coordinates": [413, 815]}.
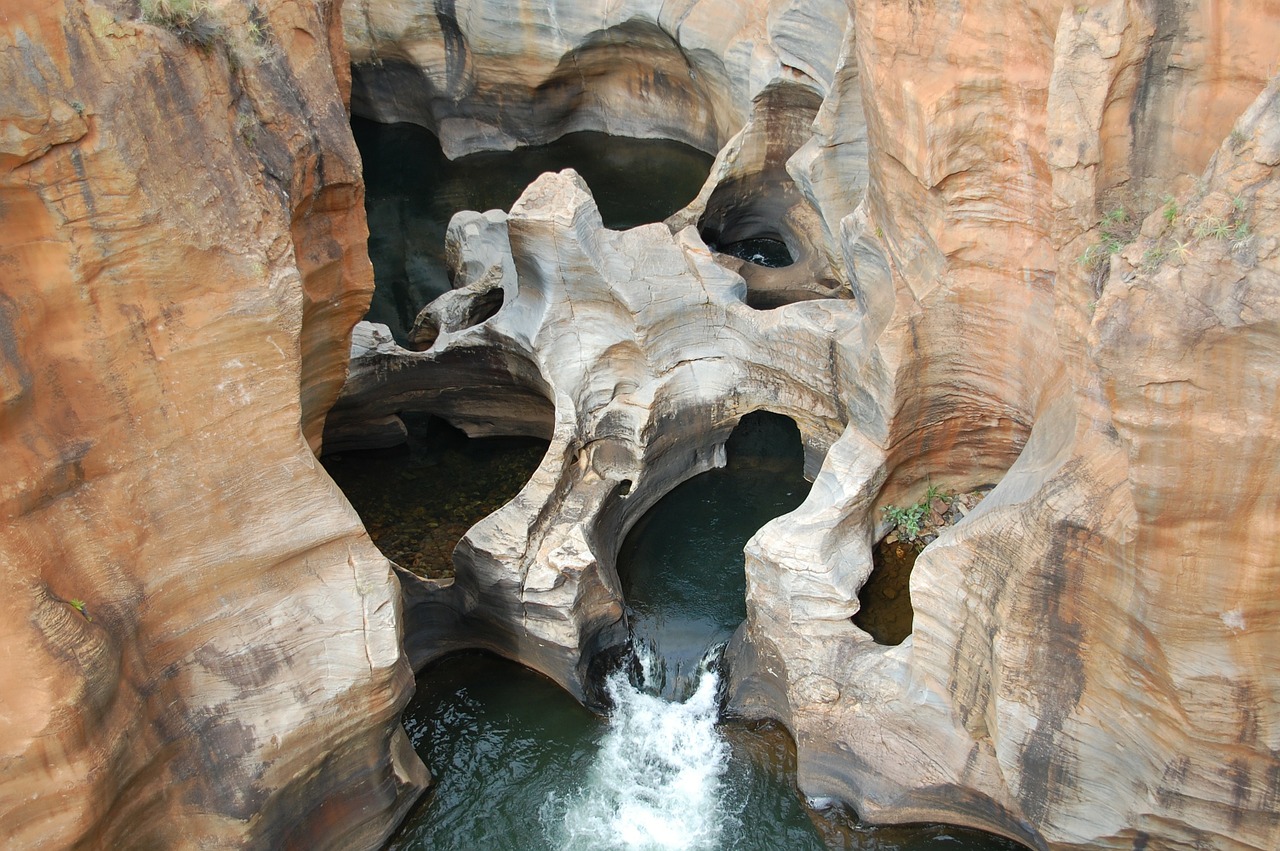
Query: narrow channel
{"type": "Point", "coordinates": [520, 765]}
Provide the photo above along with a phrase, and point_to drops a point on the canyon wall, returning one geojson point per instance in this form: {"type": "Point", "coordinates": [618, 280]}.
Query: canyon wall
{"type": "Point", "coordinates": [202, 644]}
{"type": "Point", "coordinates": [1047, 234]}
{"type": "Point", "coordinates": [1080, 230]}
{"type": "Point", "coordinates": [1036, 248]}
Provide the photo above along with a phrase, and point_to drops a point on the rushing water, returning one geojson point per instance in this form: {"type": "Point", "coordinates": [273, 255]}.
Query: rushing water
{"type": "Point", "coordinates": [655, 780]}
{"type": "Point", "coordinates": [412, 191]}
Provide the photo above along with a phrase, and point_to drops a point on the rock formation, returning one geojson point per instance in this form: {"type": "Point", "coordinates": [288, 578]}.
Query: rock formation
{"type": "Point", "coordinates": [488, 75]}
{"type": "Point", "coordinates": [202, 645]}
{"type": "Point", "coordinates": [1057, 227]}
{"type": "Point", "coordinates": [1035, 246]}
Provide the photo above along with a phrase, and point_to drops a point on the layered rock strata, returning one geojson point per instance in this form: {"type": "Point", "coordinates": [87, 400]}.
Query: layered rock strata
{"type": "Point", "coordinates": [1091, 663]}
{"type": "Point", "coordinates": [1054, 686]}
{"type": "Point", "coordinates": [492, 75]}
{"type": "Point", "coordinates": [202, 642]}
{"type": "Point", "coordinates": [207, 642]}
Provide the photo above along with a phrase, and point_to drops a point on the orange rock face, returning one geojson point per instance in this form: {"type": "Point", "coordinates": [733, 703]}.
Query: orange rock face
{"type": "Point", "coordinates": [1093, 658]}
{"type": "Point", "coordinates": [201, 641]}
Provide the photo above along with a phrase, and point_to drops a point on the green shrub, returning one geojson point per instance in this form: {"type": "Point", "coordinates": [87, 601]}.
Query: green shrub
{"type": "Point", "coordinates": [909, 520]}
{"type": "Point", "coordinates": [906, 519]}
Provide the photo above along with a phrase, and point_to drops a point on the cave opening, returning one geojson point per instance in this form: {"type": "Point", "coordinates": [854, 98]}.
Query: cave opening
{"type": "Point", "coordinates": [419, 498]}
{"type": "Point", "coordinates": [745, 218]}
{"type": "Point", "coordinates": [884, 601]}
{"type": "Point", "coordinates": [681, 564]}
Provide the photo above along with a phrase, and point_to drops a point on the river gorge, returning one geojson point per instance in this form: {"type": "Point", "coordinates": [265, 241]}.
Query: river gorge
{"type": "Point", "coordinates": [377, 388]}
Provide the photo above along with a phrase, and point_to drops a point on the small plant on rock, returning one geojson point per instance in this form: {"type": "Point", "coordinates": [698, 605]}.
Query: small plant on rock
{"type": "Point", "coordinates": [1152, 258]}
{"type": "Point", "coordinates": [1213, 227]}
{"type": "Point", "coordinates": [1117, 229]}
{"type": "Point", "coordinates": [910, 521]}
{"type": "Point", "coordinates": [192, 20]}
{"type": "Point", "coordinates": [906, 519]}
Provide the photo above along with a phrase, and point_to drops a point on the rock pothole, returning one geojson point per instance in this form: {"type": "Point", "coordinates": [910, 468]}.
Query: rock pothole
{"type": "Point", "coordinates": [885, 610]}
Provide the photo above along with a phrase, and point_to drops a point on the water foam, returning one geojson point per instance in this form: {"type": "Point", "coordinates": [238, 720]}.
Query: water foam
{"type": "Point", "coordinates": [656, 781]}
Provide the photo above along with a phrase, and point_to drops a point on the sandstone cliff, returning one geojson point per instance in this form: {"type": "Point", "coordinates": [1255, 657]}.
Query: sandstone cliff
{"type": "Point", "coordinates": [201, 641]}
{"type": "Point", "coordinates": [1090, 658]}
{"type": "Point", "coordinates": [1036, 247]}
{"type": "Point", "coordinates": [1051, 231]}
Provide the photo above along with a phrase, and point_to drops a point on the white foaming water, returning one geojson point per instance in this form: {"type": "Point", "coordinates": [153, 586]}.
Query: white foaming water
{"type": "Point", "coordinates": [656, 782]}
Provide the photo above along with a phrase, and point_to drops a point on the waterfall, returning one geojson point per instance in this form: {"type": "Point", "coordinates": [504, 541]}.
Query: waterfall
{"type": "Point", "coordinates": [656, 781]}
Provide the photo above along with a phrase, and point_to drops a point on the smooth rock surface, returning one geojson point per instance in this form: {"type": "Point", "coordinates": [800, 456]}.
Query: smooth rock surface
{"type": "Point", "coordinates": [204, 647]}
{"type": "Point", "coordinates": [1091, 664]}
{"type": "Point", "coordinates": [644, 364]}
{"type": "Point", "coordinates": [490, 74]}
{"type": "Point", "coordinates": [201, 643]}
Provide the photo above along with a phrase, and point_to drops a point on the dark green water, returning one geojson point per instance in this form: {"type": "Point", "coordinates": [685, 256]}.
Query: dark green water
{"type": "Point", "coordinates": [412, 191]}
{"type": "Point", "coordinates": [519, 764]}
{"type": "Point", "coordinates": [760, 250]}
{"type": "Point", "coordinates": [418, 500]}
{"type": "Point", "coordinates": [682, 564]}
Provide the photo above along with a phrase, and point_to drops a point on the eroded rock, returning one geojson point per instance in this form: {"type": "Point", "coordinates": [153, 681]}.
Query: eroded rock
{"type": "Point", "coordinates": [1057, 687]}
{"type": "Point", "coordinates": [645, 349]}
{"type": "Point", "coordinates": [202, 643]}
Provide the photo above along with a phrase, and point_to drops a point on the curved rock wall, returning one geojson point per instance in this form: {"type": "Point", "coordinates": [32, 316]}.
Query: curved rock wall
{"type": "Point", "coordinates": [490, 74]}
{"type": "Point", "coordinates": [1048, 295]}
{"type": "Point", "coordinates": [201, 641]}
{"type": "Point", "coordinates": [1072, 635]}
{"type": "Point", "coordinates": [204, 641]}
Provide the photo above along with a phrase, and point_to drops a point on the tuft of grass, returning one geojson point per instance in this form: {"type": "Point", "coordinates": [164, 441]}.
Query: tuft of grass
{"type": "Point", "coordinates": [1117, 229]}
{"type": "Point", "coordinates": [247, 128]}
{"type": "Point", "coordinates": [192, 20]}
{"type": "Point", "coordinates": [1153, 257]}
{"type": "Point", "coordinates": [1181, 250]}
{"type": "Point", "coordinates": [1212, 227]}
{"type": "Point", "coordinates": [79, 606]}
